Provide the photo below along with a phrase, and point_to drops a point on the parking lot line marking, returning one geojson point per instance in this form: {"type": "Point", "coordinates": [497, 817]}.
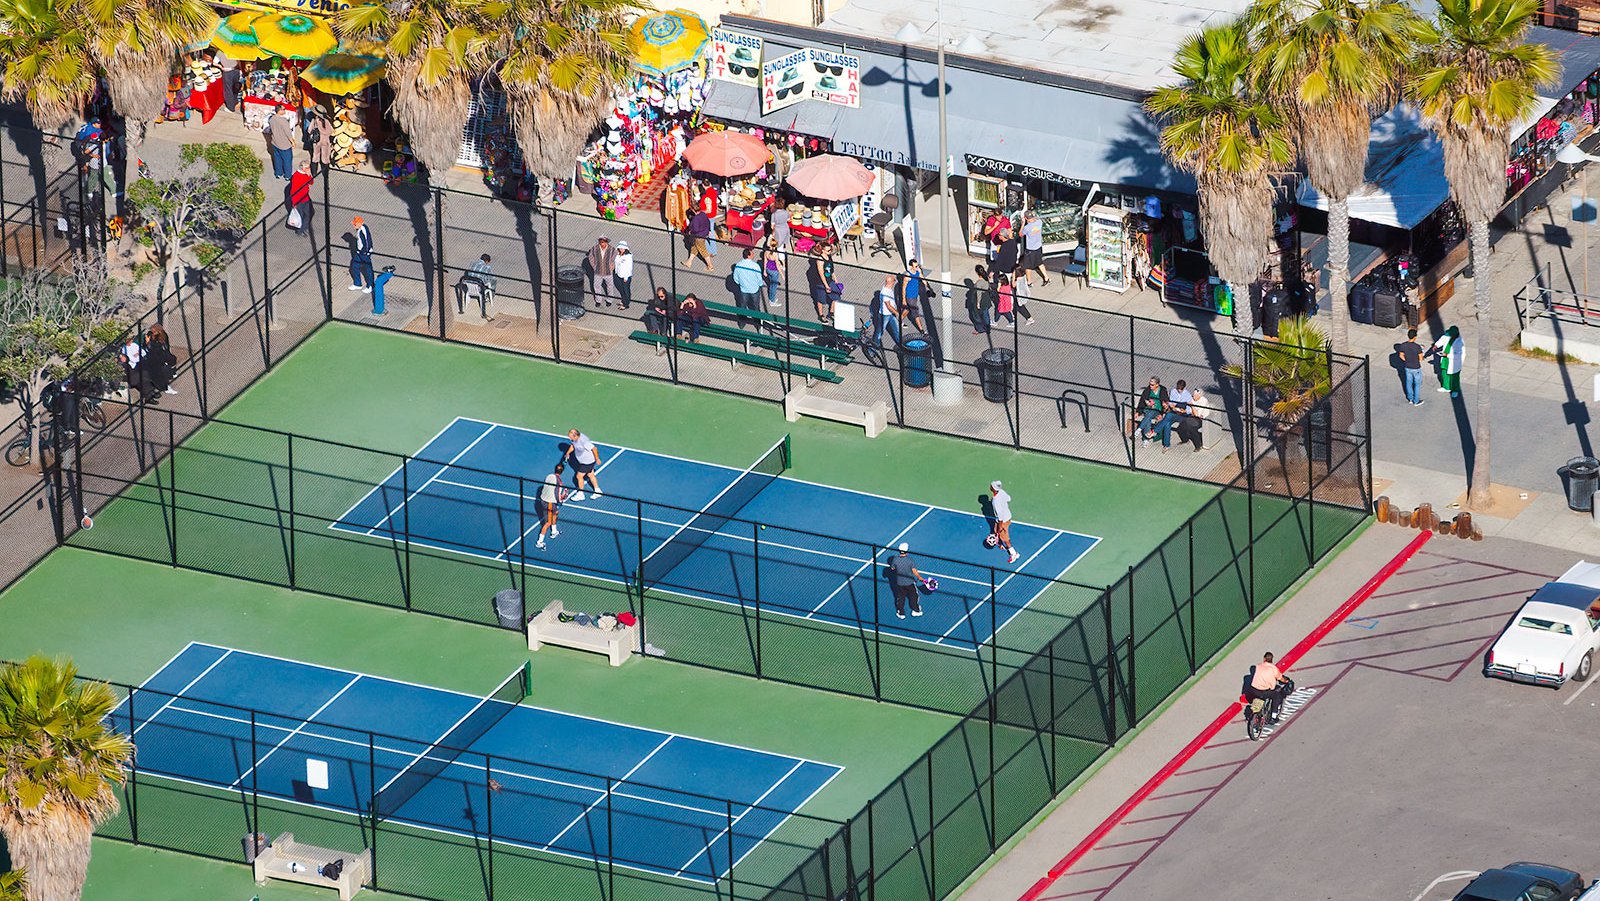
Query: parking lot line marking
{"type": "Point", "coordinates": [1581, 689]}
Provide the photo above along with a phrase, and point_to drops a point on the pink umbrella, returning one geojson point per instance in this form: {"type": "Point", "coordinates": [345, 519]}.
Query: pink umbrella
{"type": "Point", "coordinates": [830, 177]}
{"type": "Point", "coordinates": [727, 153]}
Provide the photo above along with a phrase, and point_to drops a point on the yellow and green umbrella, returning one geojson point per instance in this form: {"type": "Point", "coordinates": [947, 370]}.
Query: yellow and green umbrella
{"type": "Point", "coordinates": [668, 41]}
{"type": "Point", "coordinates": [343, 73]}
{"type": "Point", "coordinates": [294, 36]}
{"type": "Point", "coordinates": [237, 39]}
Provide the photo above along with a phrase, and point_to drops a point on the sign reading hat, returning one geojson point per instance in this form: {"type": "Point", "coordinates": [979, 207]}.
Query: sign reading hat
{"type": "Point", "coordinates": [785, 81]}
{"type": "Point", "coordinates": [835, 77]}
{"type": "Point", "coordinates": [735, 56]}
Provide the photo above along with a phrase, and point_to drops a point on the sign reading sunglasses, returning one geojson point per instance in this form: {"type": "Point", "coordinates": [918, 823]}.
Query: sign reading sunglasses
{"type": "Point", "coordinates": [785, 81]}
{"type": "Point", "coordinates": [735, 56]}
{"type": "Point", "coordinates": [836, 77]}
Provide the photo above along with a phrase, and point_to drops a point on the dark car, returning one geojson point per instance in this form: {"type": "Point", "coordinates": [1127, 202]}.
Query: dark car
{"type": "Point", "coordinates": [1524, 881]}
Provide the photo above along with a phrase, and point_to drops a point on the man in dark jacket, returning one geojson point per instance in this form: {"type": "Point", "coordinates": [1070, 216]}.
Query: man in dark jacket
{"type": "Point", "coordinates": [1006, 256]}
{"type": "Point", "coordinates": [1152, 407]}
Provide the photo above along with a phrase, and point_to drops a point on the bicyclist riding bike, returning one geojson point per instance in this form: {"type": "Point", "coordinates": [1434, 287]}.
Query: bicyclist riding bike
{"type": "Point", "coordinates": [1267, 683]}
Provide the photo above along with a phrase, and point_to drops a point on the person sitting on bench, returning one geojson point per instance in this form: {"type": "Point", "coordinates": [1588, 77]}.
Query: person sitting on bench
{"type": "Point", "coordinates": [480, 280]}
{"type": "Point", "coordinates": [1189, 424]}
{"type": "Point", "coordinates": [692, 315]}
{"type": "Point", "coordinates": [658, 313]}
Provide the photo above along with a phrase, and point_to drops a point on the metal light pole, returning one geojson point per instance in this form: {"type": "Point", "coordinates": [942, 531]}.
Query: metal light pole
{"type": "Point", "coordinates": [946, 381]}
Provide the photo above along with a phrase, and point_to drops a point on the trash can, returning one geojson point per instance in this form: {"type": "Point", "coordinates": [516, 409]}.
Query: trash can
{"type": "Point", "coordinates": [1319, 434]}
{"type": "Point", "coordinates": [569, 292]}
{"type": "Point", "coordinates": [508, 609]}
{"type": "Point", "coordinates": [996, 374]}
{"type": "Point", "coordinates": [254, 843]}
{"type": "Point", "coordinates": [916, 362]}
{"type": "Point", "coordinates": [1582, 477]}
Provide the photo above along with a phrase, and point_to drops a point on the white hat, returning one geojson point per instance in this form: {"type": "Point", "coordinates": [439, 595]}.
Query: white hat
{"type": "Point", "coordinates": [904, 547]}
{"type": "Point", "coordinates": [622, 245]}
{"type": "Point", "coordinates": [995, 484]}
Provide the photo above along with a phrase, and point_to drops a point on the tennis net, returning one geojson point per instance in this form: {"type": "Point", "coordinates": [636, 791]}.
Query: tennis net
{"type": "Point", "coordinates": [480, 719]}
{"type": "Point", "coordinates": [710, 520]}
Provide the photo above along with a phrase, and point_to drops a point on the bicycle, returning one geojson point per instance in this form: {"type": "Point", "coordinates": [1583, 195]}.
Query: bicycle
{"type": "Point", "coordinates": [20, 451]}
{"type": "Point", "coordinates": [1257, 715]}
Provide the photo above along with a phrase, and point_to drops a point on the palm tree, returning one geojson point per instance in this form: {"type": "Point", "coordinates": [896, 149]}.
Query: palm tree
{"type": "Point", "coordinates": [1233, 140]}
{"type": "Point", "coordinates": [134, 44]}
{"type": "Point", "coordinates": [435, 53]}
{"type": "Point", "coordinates": [1474, 78]}
{"type": "Point", "coordinates": [48, 64]}
{"type": "Point", "coordinates": [1333, 65]}
{"type": "Point", "coordinates": [14, 886]}
{"type": "Point", "coordinates": [59, 765]}
{"type": "Point", "coordinates": [1293, 372]}
{"type": "Point", "coordinates": [559, 64]}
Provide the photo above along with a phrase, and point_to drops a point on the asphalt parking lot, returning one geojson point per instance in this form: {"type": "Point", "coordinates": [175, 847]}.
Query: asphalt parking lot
{"type": "Point", "coordinates": [1399, 764]}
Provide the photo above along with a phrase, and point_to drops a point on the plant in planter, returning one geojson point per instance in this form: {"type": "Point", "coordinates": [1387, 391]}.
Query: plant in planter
{"type": "Point", "coordinates": [1293, 373]}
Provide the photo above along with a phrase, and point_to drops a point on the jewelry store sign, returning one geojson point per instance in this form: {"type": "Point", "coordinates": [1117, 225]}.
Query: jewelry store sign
{"type": "Point", "coordinates": [1016, 171]}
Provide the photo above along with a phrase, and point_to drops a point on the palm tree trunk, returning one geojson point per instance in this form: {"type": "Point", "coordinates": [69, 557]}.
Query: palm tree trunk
{"type": "Point", "coordinates": [55, 852]}
{"type": "Point", "coordinates": [1478, 496]}
{"type": "Point", "coordinates": [1339, 274]}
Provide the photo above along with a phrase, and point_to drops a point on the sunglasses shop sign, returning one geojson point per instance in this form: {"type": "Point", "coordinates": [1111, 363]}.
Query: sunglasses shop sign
{"type": "Point", "coordinates": [810, 74]}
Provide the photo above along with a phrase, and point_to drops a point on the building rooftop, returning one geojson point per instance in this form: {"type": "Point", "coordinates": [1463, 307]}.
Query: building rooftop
{"type": "Point", "coordinates": [1129, 43]}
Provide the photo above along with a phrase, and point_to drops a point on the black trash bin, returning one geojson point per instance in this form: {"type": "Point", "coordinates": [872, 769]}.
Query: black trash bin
{"type": "Point", "coordinates": [508, 608]}
{"type": "Point", "coordinates": [1582, 477]}
{"type": "Point", "coordinates": [1319, 434]}
{"type": "Point", "coordinates": [569, 292]}
{"type": "Point", "coordinates": [997, 374]}
{"type": "Point", "coordinates": [916, 362]}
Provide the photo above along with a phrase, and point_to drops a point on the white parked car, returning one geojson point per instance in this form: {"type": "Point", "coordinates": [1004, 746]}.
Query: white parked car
{"type": "Point", "coordinates": [1556, 634]}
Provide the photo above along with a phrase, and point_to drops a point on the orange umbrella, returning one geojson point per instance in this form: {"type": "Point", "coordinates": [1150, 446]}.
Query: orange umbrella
{"type": "Point", "coordinates": [830, 177]}
{"type": "Point", "coordinates": [727, 153]}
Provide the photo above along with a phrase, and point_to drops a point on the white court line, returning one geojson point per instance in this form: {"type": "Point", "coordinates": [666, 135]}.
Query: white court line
{"type": "Point", "coordinates": [891, 546]}
{"type": "Point", "coordinates": [404, 458]}
{"type": "Point", "coordinates": [529, 531]}
{"type": "Point", "coordinates": [442, 470]}
{"type": "Point", "coordinates": [993, 595]}
{"type": "Point", "coordinates": [297, 730]}
{"type": "Point", "coordinates": [605, 794]}
{"type": "Point", "coordinates": [748, 807]}
{"type": "Point", "coordinates": [150, 719]}
{"type": "Point", "coordinates": [781, 821]}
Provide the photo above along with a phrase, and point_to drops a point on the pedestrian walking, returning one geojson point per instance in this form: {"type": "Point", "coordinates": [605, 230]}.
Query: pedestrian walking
{"type": "Point", "coordinates": [548, 503]}
{"type": "Point", "coordinates": [748, 280]}
{"type": "Point", "coordinates": [1033, 249]}
{"type": "Point", "coordinates": [709, 200]}
{"type": "Point", "coordinates": [886, 313]}
{"type": "Point", "coordinates": [585, 459]}
{"type": "Point", "coordinates": [904, 582]}
{"type": "Point", "coordinates": [772, 263]}
{"type": "Point", "coordinates": [819, 280]}
{"type": "Point", "coordinates": [361, 257]}
{"type": "Point", "coordinates": [280, 143]}
{"type": "Point", "coordinates": [980, 301]}
{"type": "Point", "coordinates": [780, 225]}
{"type": "Point", "coordinates": [623, 274]}
{"type": "Point", "coordinates": [602, 265]}
{"type": "Point", "coordinates": [300, 199]}
{"type": "Point", "coordinates": [1022, 290]}
{"type": "Point", "coordinates": [912, 286]}
{"type": "Point", "coordinates": [1007, 254]}
{"type": "Point", "coordinates": [1002, 520]}
{"type": "Point", "coordinates": [699, 231]}
{"type": "Point", "coordinates": [1448, 353]}
{"type": "Point", "coordinates": [230, 81]}
{"type": "Point", "coordinates": [1410, 353]}
{"type": "Point", "coordinates": [319, 140]}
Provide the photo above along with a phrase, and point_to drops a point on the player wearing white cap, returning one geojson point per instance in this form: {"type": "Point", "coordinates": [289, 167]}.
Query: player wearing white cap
{"type": "Point", "coordinates": [903, 581]}
{"type": "Point", "coordinates": [1002, 519]}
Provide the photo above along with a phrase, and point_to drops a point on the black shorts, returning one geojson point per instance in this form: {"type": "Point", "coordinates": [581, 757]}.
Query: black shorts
{"type": "Point", "coordinates": [542, 510]}
{"type": "Point", "coordinates": [582, 469]}
{"type": "Point", "coordinates": [906, 594]}
{"type": "Point", "coordinates": [1033, 259]}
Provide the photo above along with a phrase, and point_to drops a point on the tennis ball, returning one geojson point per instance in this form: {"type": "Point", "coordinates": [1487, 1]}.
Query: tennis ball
{"type": "Point", "coordinates": [763, 527]}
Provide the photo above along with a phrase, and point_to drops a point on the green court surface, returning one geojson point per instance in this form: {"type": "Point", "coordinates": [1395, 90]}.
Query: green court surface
{"type": "Point", "coordinates": [120, 618]}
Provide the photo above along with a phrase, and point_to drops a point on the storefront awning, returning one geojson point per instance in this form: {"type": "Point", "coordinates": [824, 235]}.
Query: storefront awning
{"type": "Point", "coordinates": [741, 103]}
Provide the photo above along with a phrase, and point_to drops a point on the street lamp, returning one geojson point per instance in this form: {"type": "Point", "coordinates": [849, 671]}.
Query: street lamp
{"type": "Point", "coordinates": [1573, 155]}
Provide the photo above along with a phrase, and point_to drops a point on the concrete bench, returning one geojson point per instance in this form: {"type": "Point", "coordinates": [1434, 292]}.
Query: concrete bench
{"type": "Point", "coordinates": [874, 419]}
{"type": "Point", "coordinates": [547, 628]}
{"type": "Point", "coordinates": [291, 861]}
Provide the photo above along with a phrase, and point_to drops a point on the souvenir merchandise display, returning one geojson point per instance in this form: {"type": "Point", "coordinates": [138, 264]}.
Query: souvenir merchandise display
{"type": "Point", "coordinates": [1107, 267]}
{"type": "Point", "coordinates": [810, 225]}
{"type": "Point", "coordinates": [401, 167]}
{"type": "Point", "coordinates": [642, 139]}
{"type": "Point", "coordinates": [266, 87]}
{"type": "Point", "coordinates": [176, 108]}
{"type": "Point", "coordinates": [350, 143]}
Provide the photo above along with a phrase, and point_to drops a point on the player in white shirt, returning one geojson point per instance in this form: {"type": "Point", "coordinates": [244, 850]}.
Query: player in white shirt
{"type": "Point", "coordinates": [547, 502]}
{"type": "Point", "coordinates": [585, 459]}
{"type": "Point", "coordinates": [1002, 519]}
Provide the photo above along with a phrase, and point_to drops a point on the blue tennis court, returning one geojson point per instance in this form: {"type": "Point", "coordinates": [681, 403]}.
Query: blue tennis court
{"type": "Point", "coordinates": [471, 490]}
{"type": "Point", "coordinates": [677, 806]}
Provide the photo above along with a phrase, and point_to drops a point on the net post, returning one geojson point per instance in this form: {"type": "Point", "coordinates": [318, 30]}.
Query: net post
{"type": "Point", "coordinates": [755, 549]}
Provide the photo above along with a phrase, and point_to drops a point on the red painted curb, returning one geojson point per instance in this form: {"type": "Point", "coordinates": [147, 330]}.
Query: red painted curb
{"type": "Point", "coordinates": [1209, 732]}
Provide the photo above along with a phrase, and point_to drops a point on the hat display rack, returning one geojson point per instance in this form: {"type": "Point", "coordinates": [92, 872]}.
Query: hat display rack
{"type": "Point", "coordinates": [643, 137]}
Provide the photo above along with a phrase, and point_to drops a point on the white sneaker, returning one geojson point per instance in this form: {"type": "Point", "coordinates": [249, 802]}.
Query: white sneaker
{"type": "Point", "coordinates": [595, 492]}
{"type": "Point", "coordinates": [539, 544]}
{"type": "Point", "coordinates": [576, 496]}
{"type": "Point", "coordinates": [1144, 442]}
{"type": "Point", "coordinates": [170, 391]}
{"type": "Point", "coordinates": [916, 612]}
{"type": "Point", "coordinates": [1442, 390]}
{"type": "Point", "coordinates": [1014, 557]}
{"type": "Point", "coordinates": [899, 615]}
{"type": "Point", "coordinates": [366, 290]}
{"type": "Point", "coordinates": [555, 532]}
{"type": "Point", "coordinates": [354, 288]}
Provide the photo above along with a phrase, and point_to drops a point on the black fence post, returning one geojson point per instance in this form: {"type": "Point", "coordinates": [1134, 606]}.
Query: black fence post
{"type": "Point", "coordinates": [555, 286]}
{"type": "Point", "coordinates": [1133, 395]}
{"type": "Point", "coordinates": [133, 759]}
{"type": "Point", "coordinates": [1366, 436]}
{"type": "Point", "coordinates": [488, 818]}
{"type": "Point", "coordinates": [372, 805]}
{"type": "Point", "coordinates": [327, 244]}
{"type": "Point", "coordinates": [877, 628]}
{"type": "Point", "coordinates": [172, 485]}
{"type": "Point", "coordinates": [731, 881]}
{"type": "Point", "coordinates": [1133, 658]}
{"type": "Point", "coordinates": [255, 781]}
{"type": "Point", "coordinates": [522, 547]}
{"type": "Point", "coordinates": [1194, 637]}
{"type": "Point", "coordinates": [1055, 715]}
{"type": "Point", "coordinates": [438, 258]}
{"type": "Point", "coordinates": [1016, 374]}
{"type": "Point", "coordinates": [405, 525]}
{"type": "Point", "coordinates": [292, 556]}
{"type": "Point", "coordinates": [933, 828]}
{"type": "Point", "coordinates": [872, 857]}
{"type": "Point", "coordinates": [755, 546]}
{"type": "Point", "coordinates": [1111, 669]}
{"type": "Point", "coordinates": [611, 848]}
